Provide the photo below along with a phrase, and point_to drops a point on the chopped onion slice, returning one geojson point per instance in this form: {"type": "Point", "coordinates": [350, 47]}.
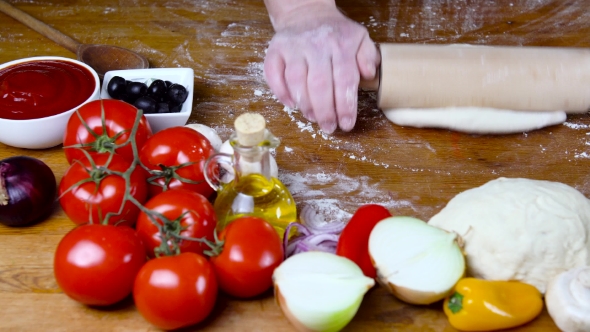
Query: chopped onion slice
{"type": "Point", "coordinates": [318, 224]}
{"type": "Point", "coordinates": [314, 233]}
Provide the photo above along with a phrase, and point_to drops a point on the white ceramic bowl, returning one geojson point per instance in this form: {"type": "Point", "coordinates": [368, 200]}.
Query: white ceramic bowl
{"type": "Point", "coordinates": [44, 132]}
{"type": "Point", "coordinates": [158, 121]}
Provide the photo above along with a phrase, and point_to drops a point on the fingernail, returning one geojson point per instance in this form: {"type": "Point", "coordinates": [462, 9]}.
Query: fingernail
{"type": "Point", "coordinates": [347, 123]}
{"type": "Point", "coordinates": [328, 127]}
{"type": "Point", "coordinates": [372, 68]}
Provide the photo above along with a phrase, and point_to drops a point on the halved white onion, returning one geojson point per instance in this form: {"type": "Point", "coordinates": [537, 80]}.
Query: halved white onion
{"type": "Point", "coordinates": [416, 262]}
{"type": "Point", "coordinates": [319, 291]}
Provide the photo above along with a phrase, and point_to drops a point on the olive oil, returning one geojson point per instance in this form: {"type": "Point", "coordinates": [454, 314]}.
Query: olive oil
{"type": "Point", "coordinates": [251, 190]}
{"type": "Point", "coordinates": [255, 195]}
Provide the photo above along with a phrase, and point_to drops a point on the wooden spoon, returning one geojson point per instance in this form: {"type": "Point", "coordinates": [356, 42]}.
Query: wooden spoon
{"type": "Point", "coordinates": [101, 58]}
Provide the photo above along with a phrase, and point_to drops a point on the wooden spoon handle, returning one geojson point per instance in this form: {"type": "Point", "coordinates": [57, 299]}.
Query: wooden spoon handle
{"type": "Point", "coordinates": [39, 26]}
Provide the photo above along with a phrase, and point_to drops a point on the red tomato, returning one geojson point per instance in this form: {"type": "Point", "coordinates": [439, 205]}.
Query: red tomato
{"type": "Point", "coordinates": [251, 251]}
{"type": "Point", "coordinates": [192, 215]}
{"type": "Point", "coordinates": [172, 292]}
{"type": "Point", "coordinates": [101, 136]}
{"type": "Point", "coordinates": [354, 239]}
{"type": "Point", "coordinates": [172, 147]}
{"type": "Point", "coordinates": [102, 193]}
{"type": "Point", "coordinates": [97, 264]}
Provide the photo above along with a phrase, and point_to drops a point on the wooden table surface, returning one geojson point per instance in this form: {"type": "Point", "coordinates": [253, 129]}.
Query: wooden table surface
{"type": "Point", "coordinates": [411, 171]}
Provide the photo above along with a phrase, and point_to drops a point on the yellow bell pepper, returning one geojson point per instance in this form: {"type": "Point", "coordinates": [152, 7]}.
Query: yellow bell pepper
{"type": "Point", "coordinates": [485, 305]}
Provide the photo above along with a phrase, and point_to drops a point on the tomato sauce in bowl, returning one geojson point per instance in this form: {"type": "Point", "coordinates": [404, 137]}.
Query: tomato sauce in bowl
{"type": "Point", "coordinates": [38, 95]}
{"type": "Point", "coordinates": [42, 88]}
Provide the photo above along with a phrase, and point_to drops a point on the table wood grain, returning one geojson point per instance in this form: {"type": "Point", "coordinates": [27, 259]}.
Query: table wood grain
{"type": "Point", "coordinates": [411, 171]}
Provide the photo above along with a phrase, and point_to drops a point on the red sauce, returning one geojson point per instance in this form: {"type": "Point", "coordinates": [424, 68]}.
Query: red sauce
{"type": "Point", "coordinates": [37, 89]}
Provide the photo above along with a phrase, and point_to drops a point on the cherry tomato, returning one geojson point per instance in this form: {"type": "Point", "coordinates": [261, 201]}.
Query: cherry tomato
{"type": "Point", "coordinates": [170, 148]}
{"type": "Point", "coordinates": [192, 215]}
{"type": "Point", "coordinates": [172, 292]}
{"type": "Point", "coordinates": [97, 264]}
{"type": "Point", "coordinates": [104, 130]}
{"type": "Point", "coordinates": [103, 193]}
{"type": "Point", "coordinates": [354, 239]}
{"type": "Point", "coordinates": [251, 250]}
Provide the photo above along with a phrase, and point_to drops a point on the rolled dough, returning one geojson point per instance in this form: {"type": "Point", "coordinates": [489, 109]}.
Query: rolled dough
{"type": "Point", "coordinates": [475, 120]}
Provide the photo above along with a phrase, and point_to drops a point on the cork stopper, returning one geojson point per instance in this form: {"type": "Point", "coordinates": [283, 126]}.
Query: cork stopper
{"type": "Point", "coordinates": [250, 129]}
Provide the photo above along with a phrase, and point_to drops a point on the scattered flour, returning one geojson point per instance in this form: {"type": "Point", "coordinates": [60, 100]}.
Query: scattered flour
{"type": "Point", "coordinates": [576, 125]}
{"type": "Point", "coordinates": [435, 22]}
{"type": "Point", "coordinates": [468, 21]}
{"type": "Point", "coordinates": [333, 141]}
{"type": "Point", "coordinates": [585, 141]}
{"type": "Point", "coordinates": [329, 194]}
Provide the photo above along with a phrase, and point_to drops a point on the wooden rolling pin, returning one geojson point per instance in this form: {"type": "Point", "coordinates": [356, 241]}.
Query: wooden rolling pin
{"type": "Point", "coordinates": [517, 78]}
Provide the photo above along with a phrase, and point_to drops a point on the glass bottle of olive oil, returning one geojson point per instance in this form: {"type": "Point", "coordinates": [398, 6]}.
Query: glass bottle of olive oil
{"type": "Point", "coordinates": [252, 191]}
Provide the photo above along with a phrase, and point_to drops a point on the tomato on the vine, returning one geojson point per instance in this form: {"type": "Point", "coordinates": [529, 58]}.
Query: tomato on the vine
{"type": "Point", "coordinates": [88, 192]}
{"type": "Point", "coordinates": [191, 216]}
{"type": "Point", "coordinates": [354, 239]}
{"type": "Point", "coordinates": [172, 292]}
{"type": "Point", "coordinates": [100, 125]}
{"type": "Point", "coordinates": [250, 252]}
{"type": "Point", "coordinates": [97, 264]}
{"type": "Point", "coordinates": [178, 155]}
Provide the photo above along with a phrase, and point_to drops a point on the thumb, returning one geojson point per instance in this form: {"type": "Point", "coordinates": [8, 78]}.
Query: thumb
{"type": "Point", "coordinates": [368, 58]}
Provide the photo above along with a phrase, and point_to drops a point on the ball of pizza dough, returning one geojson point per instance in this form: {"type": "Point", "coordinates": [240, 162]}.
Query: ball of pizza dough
{"type": "Point", "coordinates": [520, 229]}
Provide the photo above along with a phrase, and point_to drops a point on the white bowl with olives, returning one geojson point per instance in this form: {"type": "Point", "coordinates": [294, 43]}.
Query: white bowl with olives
{"type": "Point", "coordinates": [165, 95]}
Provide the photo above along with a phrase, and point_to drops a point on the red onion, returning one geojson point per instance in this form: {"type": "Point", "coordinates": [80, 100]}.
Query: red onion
{"type": "Point", "coordinates": [318, 224]}
{"type": "Point", "coordinates": [27, 190]}
{"type": "Point", "coordinates": [313, 234]}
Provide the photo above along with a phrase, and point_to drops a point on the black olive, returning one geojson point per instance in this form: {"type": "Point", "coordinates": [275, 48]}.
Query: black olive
{"type": "Point", "coordinates": [136, 90]}
{"type": "Point", "coordinates": [174, 108]}
{"type": "Point", "coordinates": [162, 108]}
{"type": "Point", "coordinates": [168, 84]}
{"type": "Point", "coordinates": [128, 99]}
{"type": "Point", "coordinates": [117, 87]}
{"type": "Point", "coordinates": [177, 94]}
{"type": "Point", "coordinates": [157, 89]}
{"type": "Point", "coordinates": [146, 103]}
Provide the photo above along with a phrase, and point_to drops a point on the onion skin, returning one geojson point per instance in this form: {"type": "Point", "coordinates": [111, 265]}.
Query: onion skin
{"type": "Point", "coordinates": [280, 299]}
{"type": "Point", "coordinates": [27, 191]}
{"type": "Point", "coordinates": [412, 296]}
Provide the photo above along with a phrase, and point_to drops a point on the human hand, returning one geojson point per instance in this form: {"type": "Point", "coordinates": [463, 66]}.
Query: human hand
{"type": "Point", "coordinates": [315, 61]}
